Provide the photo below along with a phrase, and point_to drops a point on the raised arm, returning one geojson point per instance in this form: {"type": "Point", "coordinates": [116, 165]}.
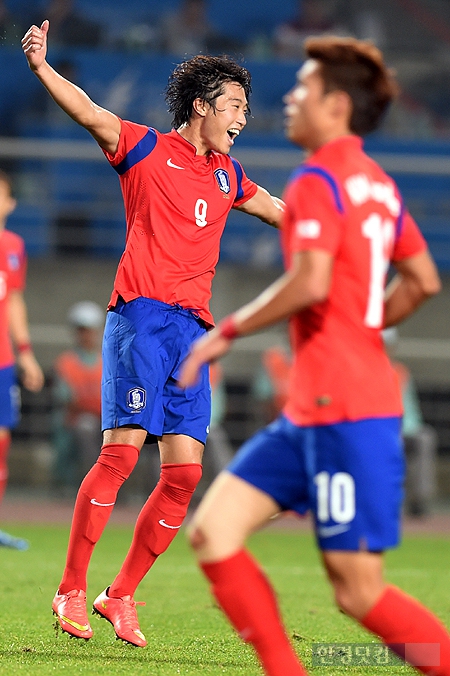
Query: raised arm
{"type": "Point", "coordinates": [102, 124]}
{"type": "Point", "coordinates": [266, 207]}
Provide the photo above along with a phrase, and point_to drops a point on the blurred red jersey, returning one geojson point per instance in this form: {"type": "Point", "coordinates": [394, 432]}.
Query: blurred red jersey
{"type": "Point", "coordinates": [342, 202]}
{"type": "Point", "coordinates": [176, 206]}
{"type": "Point", "coordinates": [12, 277]}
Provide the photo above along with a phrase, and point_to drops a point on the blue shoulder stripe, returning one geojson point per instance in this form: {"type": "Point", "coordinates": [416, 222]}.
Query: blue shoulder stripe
{"type": "Point", "coordinates": [140, 150]}
{"type": "Point", "coordinates": [239, 174]}
{"type": "Point", "coordinates": [307, 169]}
{"type": "Point", "coordinates": [399, 224]}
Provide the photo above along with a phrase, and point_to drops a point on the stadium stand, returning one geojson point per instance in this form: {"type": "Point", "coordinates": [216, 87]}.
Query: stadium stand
{"type": "Point", "coordinates": [69, 198]}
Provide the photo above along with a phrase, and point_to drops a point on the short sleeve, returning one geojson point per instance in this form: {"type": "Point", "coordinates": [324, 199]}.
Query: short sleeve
{"type": "Point", "coordinates": [17, 265]}
{"type": "Point", "coordinates": [410, 240]}
{"type": "Point", "coordinates": [315, 214]}
{"type": "Point", "coordinates": [246, 189]}
{"type": "Point", "coordinates": [131, 134]}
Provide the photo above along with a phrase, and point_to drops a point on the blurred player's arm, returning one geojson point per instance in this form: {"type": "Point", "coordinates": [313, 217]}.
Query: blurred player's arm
{"type": "Point", "coordinates": [306, 283]}
{"type": "Point", "coordinates": [102, 124]}
{"type": "Point", "coordinates": [266, 207]}
{"type": "Point", "coordinates": [30, 371]}
{"type": "Point", "coordinates": [417, 279]}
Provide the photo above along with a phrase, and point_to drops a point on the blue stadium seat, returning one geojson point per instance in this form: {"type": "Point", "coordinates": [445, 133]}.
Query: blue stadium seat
{"type": "Point", "coordinates": [32, 222]}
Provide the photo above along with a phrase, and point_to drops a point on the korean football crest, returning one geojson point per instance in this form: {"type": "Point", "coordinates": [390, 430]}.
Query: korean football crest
{"type": "Point", "coordinates": [136, 399]}
{"type": "Point", "coordinates": [223, 180]}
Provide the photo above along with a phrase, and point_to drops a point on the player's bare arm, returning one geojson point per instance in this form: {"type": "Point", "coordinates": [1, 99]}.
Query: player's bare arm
{"type": "Point", "coordinates": [30, 372]}
{"type": "Point", "coordinates": [417, 280]}
{"type": "Point", "coordinates": [266, 207]}
{"type": "Point", "coordinates": [306, 283]}
{"type": "Point", "coordinates": [102, 124]}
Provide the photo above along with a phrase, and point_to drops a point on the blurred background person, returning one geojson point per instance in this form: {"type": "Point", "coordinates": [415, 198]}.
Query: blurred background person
{"type": "Point", "coordinates": [313, 17]}
{"type": "Point", "coordinates": [218, 450]}
{"type": "Point", "coordinates": [76, 393]}
{"type": "Point", "coordinates": [188, 31]}
{"type": "Point", "coordinates": [271, 382]}
{"type": "Point", "coordinates": [420, 440]}
{"type": "Point", "coordinates": [14, 336]}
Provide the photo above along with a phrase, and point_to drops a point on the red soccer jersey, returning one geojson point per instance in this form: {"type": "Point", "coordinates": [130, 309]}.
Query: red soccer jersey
{"type": "Point", "coordinates": [176, 205]}
{"type": "Point", "coordinates": [12, 277]}
{"type": "Point", "coordinates": [342, 202]}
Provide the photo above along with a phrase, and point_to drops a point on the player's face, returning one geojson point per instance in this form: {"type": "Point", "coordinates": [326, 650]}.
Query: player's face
{"type": "Point", "coordinates": [307, 110]}
{"type": "Point", "coordinates": [225, 122]}
{"type": "Point", "coordinates": [7, 202]}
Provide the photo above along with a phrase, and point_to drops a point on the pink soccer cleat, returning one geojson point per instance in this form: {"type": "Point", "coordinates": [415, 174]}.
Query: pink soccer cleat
{"type": "Point", "coordinates": [70, 609]}
{"type": "Point", "coordinates": [121, 612]}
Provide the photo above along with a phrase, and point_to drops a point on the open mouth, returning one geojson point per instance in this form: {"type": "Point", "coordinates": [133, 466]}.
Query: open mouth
{"type": "Point", "coordinates": [233, 133]}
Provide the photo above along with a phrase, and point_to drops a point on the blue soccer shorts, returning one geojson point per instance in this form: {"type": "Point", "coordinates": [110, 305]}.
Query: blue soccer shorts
{"type": "Point", "coordinates": [9, 398]}
{"type": "Point", "coordinates": [350, 475]}
{"type": "Point", "coordinates": [145, 341]}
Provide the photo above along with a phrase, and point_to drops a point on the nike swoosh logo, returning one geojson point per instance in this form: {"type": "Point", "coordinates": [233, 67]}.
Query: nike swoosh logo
{"type": "Point", "coordinates": [329, 531]}
{"type": "Point", "coordinates": [166, 525]}
{"type": "Point", "coordinates": [101, 504]}
{"type": "Point", "coordinates": [80, 627]}
{"type": "Point", "coordinates": [174, 166]}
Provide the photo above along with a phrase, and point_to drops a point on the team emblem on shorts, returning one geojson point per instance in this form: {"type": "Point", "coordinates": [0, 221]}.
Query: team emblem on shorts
{"type": "Point", "coordinates": [223, 180]}
{"type": "Point", "coordinates": [136, 399]}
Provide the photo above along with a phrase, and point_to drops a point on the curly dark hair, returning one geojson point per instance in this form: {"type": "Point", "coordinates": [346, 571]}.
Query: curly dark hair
{"type": "Point", "coordinates": [202, 77]}
{"type": "Point", "coordinates": [356, 67]}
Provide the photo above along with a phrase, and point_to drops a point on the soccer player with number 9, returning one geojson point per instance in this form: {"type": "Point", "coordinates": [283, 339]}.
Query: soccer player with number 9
{"type": "Point", "coordinates": [178, 190]}
{"type": "Point", "coordinates": [336, 448]}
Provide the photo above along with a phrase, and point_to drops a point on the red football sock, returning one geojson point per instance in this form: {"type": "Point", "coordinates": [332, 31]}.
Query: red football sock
{"type": "Point", "coordinates": [157, 524]}
{"type": "Point", "coordinates": [247, 598]}
{"type": "Point", "coordinates": [411, 631]}
{"type": "Point", "coordinates": [94, 504]}
{"type": "Point", "coordinates": [5, 442]}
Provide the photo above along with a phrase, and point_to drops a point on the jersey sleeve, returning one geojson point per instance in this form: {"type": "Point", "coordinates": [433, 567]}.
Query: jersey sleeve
{"type": "Point", "coordinates": [410, 240]}
{"type": "Point", "coordinates": [17, 265]}
{"type": "Point", "coordinates": [315, 215]}
{"type": "Point", "coordinates": [246, 189]}
{"type": "Point", "coordinates": [131, 135]}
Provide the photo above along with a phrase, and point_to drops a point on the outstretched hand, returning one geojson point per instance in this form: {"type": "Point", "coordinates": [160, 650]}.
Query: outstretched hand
{"type": "Point", "coordinates": [205, 350]}
{"type": "Point", "coordinates": [34, 45]}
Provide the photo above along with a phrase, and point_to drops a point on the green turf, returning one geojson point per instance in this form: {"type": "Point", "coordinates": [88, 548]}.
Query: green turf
{"type": "Point", "coordinates": [186, 633]}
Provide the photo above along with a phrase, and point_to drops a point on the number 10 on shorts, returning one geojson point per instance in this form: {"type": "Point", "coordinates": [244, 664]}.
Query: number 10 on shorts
{"type": "Point", "coordinates": [335, 497]}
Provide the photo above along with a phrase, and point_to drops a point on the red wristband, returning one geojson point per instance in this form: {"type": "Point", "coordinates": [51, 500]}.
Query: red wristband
{"type": "Point", "coordinates": [23, 347]}
{"type": "Point", "coordinates": [227, 328]}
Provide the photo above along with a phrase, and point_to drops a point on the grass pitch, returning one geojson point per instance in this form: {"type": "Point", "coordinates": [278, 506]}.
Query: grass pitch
{"type": "Point", "coordinates": [186, 633]}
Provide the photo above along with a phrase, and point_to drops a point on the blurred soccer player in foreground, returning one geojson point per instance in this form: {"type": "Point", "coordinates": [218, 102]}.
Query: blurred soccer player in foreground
{"type": "Point", "coordinates": [178, 190]}
{"type": "Point", "coordinates": [15, 347]}
{"type": "Point", "coordinates": [336, 448]}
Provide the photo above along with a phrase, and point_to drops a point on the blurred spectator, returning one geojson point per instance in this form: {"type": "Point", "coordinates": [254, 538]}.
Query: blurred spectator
{"type": "Point", "coordinates": [69, 27]}
{"type": "Point", "coordinates": [313, 17]}
{"type": "Point", "coordinates": [77, 380]}
{"type": "Point", "coordinates": [270, 386]}
{"type": "Point", "coordinates": [218, 450]}
{"type": "Point", "coordinates": [188, 31]}
{"type": "Point", "coordinates": [421, 440]}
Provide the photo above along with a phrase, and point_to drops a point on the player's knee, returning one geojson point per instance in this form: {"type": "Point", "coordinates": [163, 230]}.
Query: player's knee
{"type": "Point", "coordinates": [180, 481]}
{"type": "Point", "coordinates": [120, 459]}
{"type": "Point", "coordinates": [196, 538]}
{"type": "Point", "coordinates": [343, 598]}
{"type": "Point", "coordinates": [355, 600]}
